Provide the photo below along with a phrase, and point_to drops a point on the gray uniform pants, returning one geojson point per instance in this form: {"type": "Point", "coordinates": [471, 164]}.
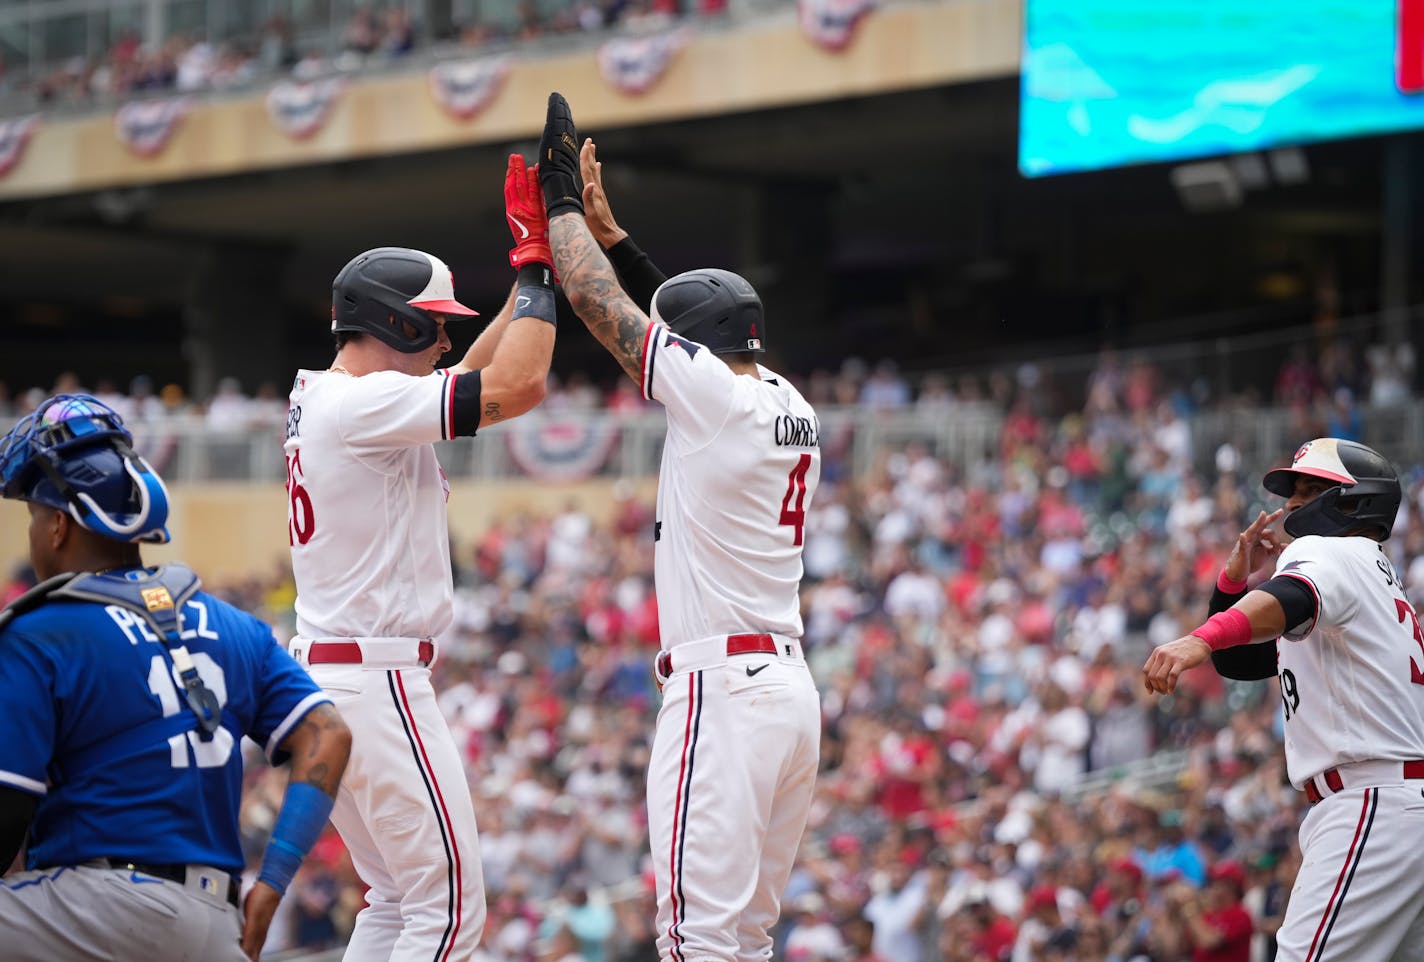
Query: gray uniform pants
{"type": "Point", "coordinates": [86, 913]}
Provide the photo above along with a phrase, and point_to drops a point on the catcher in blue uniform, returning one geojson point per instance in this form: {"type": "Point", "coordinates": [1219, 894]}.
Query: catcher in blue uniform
{"type": "Point", "coordinates": [127, 690]}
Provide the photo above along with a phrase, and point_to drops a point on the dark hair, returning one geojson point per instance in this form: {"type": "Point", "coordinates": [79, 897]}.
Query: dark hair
{"type": "Point", "coordinates": [343, 338]}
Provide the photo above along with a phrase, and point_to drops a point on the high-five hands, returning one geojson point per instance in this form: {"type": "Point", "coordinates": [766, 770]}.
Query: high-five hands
{"type": "Point", "coordinates": [598, 215]}
{"type": "Point", "coordinates": [559, 159]}
{"type": "Point", "coordinates": [524, 209]}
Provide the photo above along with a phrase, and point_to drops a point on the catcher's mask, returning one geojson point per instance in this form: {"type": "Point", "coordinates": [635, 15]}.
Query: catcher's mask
{"type": "Point", "coordinates": [74, 453]}
{"type": "Point", "coordinates": [379, 289]}
{"type": "Point", "coordinates": [1366, 492]}
{"type": "Point", "coordinates": [715, 308]}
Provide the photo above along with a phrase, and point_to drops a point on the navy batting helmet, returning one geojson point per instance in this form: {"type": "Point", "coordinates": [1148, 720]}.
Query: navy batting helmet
{"type": "Point", "coordinates": [74, 453]}
{"type": "Point", "coordinates": [715, 308]}
{"type": "Point", "coordinates": [1366, 492]}
{"type": "Point", "coordinates": [379, 289]}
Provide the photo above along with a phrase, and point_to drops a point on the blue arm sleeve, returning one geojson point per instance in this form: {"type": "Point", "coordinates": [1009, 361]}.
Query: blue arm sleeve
{"type": "Point", "coordinates": [305, 809]}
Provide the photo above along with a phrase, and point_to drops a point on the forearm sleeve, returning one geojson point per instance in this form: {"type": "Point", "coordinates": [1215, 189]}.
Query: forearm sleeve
{"type": "Point", "coordinates": [1246, 662]}
{"type": "Point", "coordinates": [641, 277]}
{"type": "Point", "coordinates": [1221, 600]}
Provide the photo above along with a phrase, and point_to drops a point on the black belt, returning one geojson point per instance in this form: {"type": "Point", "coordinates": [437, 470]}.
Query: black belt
{"type": "Point", "coordinates": [173, 873]}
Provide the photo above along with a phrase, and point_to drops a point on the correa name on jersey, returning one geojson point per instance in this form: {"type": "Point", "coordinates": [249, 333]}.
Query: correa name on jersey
{"type": "Point", "coordinates": [294, 420]}
{"type": "Point", "coordinates": [793, 432]}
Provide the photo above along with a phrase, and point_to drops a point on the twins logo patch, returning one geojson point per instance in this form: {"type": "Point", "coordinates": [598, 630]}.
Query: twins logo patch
{"type": "Point", "coordinates": [1300, 452]}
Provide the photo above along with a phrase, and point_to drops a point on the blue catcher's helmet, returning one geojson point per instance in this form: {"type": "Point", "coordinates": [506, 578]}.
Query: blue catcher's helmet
{"type": "Point", "coordinates": [74, 453]}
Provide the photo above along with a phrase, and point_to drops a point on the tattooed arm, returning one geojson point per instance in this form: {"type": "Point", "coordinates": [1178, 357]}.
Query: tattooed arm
{"type": "Point", "coordinates": [593, 290]}
{"type": "Point", "coordinates": [319, 747]}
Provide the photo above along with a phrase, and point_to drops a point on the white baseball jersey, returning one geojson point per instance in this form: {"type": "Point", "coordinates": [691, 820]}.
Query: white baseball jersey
{"type": "Point", "coordinates": [739, 469]}
{"type": "Point", "coordinates": [734, 757]}
{"type": "Point", "coordinates": [371, 557]}
{"type": "Point", "coordinates": [359, 459]}
{"type": "Point", "coordinates": [1352, 680]}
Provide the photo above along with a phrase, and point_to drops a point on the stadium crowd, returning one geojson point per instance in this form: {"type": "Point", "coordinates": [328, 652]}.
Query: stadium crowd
{"type": "Point", "coordinates": [372, 37]}
{"type": "Point", "coordinates": [977, 631]}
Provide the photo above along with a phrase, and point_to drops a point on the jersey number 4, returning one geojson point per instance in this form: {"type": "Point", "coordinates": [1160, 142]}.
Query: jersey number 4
{"type": "Point", "coordinates": [796, 487]}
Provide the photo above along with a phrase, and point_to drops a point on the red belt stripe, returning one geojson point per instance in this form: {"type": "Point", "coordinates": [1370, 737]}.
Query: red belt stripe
{"type": "Point", "coordinates": [349, 653]}
{"type": "Point", "coordinates": [1412, 769]}
{"type": "Point", "coordinates": [736, 645]}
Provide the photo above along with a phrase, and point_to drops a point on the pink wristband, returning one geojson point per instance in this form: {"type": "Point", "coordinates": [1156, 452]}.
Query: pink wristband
{"type": "Point", "coordinates": [1226, 629]}
{"type": "Point", "coordinates": [1227, 586]}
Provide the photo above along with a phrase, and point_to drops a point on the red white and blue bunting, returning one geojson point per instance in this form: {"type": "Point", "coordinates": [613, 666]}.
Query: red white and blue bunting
{"type": "Point", "coordinates": [466, 87]}
{"type": "Point", "coordinates": [301, 108]}
{"type": "Point", "coordinates": [15, 135]}
{"type": "Point", "coordinates": [146, 126]}
{"type": "Point", "coordinates": [635, 64]}
{"type": "Point", "coordinates": [832, 23]}
{"type": "Point", "coordinates": [558, 450]}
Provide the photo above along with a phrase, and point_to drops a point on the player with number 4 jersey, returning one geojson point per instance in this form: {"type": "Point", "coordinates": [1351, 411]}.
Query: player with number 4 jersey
{"type": "Point", "coordinates": [1334, 625]}
{"type": "Point", "coordinates": [736, 749]}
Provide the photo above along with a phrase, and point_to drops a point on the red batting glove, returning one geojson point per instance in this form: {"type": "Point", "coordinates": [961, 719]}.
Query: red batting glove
{"type": "Point", "coordinates": [524, 208]}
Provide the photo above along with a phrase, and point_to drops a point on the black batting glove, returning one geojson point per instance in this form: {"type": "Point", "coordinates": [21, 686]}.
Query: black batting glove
{"type": "Point", "coordinates": [559, 159]}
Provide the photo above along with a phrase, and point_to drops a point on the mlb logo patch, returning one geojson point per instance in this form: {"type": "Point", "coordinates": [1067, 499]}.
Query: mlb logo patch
{"type": "Point", "coordinates": [208, 884]}
{"type": "Point", "coordinates": [157, 599]}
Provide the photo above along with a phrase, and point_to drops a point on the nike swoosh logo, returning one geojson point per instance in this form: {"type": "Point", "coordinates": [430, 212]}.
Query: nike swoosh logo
{"type": "Point", "coordinates": [751, 672]}
{"type": "Point", "coordinates": [135, 877]}
{"type": "Point", "coordinates": [523, 231]}
{"type": "Point", "coordinates": [521, 302]}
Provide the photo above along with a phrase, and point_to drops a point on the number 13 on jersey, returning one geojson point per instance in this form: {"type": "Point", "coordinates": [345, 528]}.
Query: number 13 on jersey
{"type": "Point", "coordinates": [796, 487]}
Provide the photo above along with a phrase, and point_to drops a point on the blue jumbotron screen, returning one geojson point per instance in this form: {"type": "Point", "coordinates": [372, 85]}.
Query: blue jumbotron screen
{"type": "Point", "coordinates": [1113, 82]}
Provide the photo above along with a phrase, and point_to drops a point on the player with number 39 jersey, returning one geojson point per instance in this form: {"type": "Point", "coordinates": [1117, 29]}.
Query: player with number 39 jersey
{"type": "Point", "coordinates": [1334, 625]}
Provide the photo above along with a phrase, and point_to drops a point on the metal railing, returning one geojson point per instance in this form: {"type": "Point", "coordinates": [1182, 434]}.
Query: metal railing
{"type": "Point", "coordinates": [584, 444]}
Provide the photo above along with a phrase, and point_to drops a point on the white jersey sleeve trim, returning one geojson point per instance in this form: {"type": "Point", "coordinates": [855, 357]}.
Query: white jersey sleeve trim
{"type": "Point", "coordinates": [23, 783]}
{"type": "Point", "coordinates": [294, 716]}
{"type": "Point", "coordinates": [649, 348]}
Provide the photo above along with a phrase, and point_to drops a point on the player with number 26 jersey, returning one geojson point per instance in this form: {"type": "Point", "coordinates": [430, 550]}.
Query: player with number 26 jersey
{"type": "Point", "coordinates": [129, 724]}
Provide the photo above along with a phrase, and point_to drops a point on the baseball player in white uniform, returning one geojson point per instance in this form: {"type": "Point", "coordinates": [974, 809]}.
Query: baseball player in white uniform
{"type": "Point", "coordinates": [1350, 660]}
{"type": "Point", "coordinates": [735, 752]}
{"type": "Point", "coordinates": [371, 556]}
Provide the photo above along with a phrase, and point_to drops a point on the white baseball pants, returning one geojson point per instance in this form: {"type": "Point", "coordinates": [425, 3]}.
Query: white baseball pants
{"type": "Point", "coordinates": [733, 766]}
{"type": "Point", "coordinates": [1359, 895]}
{"type": "Point", "coordinates": [405, 814]}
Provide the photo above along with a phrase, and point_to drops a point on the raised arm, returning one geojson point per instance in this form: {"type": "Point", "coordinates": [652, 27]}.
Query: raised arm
{"type": "Point", "coordinates": [513, 353]}
{"type": "Point", "coordinates": [482, 351]}
{"type": "Point", "coordinates": [640, 276]}
{"type": "Point", "coordinates": [319, 747]}
{"type": "Point", "coordinates": [587, 277]}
